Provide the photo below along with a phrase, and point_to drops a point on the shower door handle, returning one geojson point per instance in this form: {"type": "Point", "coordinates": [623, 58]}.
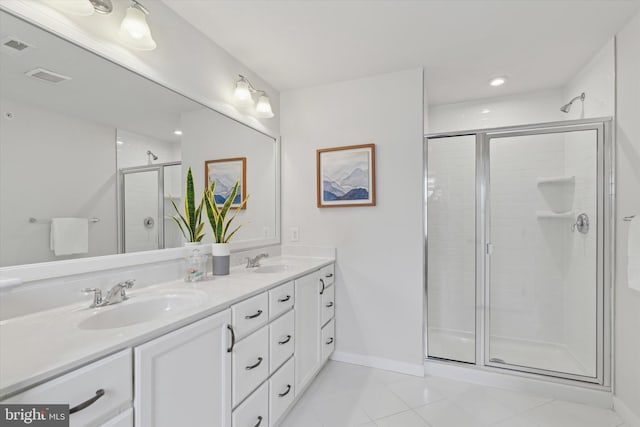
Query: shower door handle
{"type": "Point", "coordinates": [489, 249]}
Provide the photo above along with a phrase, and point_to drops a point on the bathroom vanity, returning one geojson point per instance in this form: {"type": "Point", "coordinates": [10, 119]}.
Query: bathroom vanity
{"type": "Point", "coordinates": [233, 351]}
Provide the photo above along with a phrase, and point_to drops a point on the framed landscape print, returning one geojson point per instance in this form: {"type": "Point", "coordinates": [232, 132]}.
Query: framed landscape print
{"type": "Point", "coordinates": [226, 172]}
{"type": "Point", "coordinates": [346, 176]}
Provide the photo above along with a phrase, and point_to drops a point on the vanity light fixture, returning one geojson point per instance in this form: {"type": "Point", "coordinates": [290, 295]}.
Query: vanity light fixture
{"type": "Point", "coordinates": [83, 7]}
{"type": "Point", "coordinates": [498, 81]}
{"type": "Point", "coordinates": [135, 29]}
{"type": "Point", "coordinates": [244, 95]}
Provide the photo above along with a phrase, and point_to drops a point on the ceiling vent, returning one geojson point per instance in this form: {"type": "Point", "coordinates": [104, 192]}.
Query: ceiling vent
{"type": "Point", "coordinates": [14, 46]}
{"type": "Point", "coordinates": [47, 76]}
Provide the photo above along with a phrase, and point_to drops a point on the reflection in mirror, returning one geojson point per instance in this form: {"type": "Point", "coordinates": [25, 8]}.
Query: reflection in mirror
{"type": "Point", "coordinates": [82, 137]}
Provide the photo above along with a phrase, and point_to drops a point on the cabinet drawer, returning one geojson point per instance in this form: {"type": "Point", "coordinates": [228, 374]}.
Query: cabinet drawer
{"type": "Point", "coordinates": [249, 315]}
{"type": "Point", "coordinates": [281, 391]}
{"type": "Point", "coordinates": [281, 299]}
{"type": "Point", "coordinates": [112, 375]}
{"type": "Point", "coordinates": [328, 304]}
{"type": "Point", "coordinates": [254, 411]}
{"type": "Point", "coordinates": [328, 339]}
{"type": "Point", "coordinates": [327, 274]}
{"type": "Point", "coordinates": [250, 364]}
{"type": "Point", "coordinates": [123, 420]}
{"type": "Point", "coordinates": [281, 340]}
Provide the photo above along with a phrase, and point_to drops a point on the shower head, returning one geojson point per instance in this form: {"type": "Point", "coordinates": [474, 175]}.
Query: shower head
{"type": "Point", "coordinates": [566, 107]}
{"type": "Point", "coordinates": [149, 153]}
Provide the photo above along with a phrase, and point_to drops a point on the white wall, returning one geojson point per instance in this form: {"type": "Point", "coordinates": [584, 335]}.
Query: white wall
{"type": "Point", "coordinates": [34, 144]}
{"type": "Point", "coordinates": [132, 149]}
{"type": "Point", "coordinates": [524, 108]}
{"type": "Point", "coordinates": [379, 271]}
{"type": "Point", "coordinates": [185, 60]}
{"type": "Point", "coordinates": [210, 136]}
{"type": "Point", "coordinates": [627, 308]}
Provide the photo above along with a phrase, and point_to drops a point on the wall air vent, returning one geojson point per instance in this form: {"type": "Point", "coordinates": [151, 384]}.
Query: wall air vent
{"type": "Point", "coordinates": [14, 46]}
{"type": "Point", "coordinates": [47, 76]}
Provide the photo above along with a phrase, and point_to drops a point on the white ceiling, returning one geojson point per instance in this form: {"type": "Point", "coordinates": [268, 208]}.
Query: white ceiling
{"type": "Point", "coordinates": [461, 44]}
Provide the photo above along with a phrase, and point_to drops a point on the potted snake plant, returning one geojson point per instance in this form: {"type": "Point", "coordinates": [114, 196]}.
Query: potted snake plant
{"type": "Point", "coordinates": [189, 220]}
{"type": "Point", "coordinates": [221, 226]}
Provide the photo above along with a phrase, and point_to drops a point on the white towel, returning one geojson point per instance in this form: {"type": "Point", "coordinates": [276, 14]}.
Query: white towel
{"type": "Point", "coordinates": [633, 254]}
{"type": "Point", "coordinates": [69, 236]}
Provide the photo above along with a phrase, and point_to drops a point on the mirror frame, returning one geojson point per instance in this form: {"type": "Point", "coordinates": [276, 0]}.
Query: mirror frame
{"type": "Point", "coordinates": [62, 268]}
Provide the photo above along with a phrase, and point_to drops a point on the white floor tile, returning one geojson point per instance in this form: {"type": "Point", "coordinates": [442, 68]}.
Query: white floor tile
{"type": "Point", "coordinates": [343, 410]}
{"type": "Point", "coordinates": [380, 402]}
{"type": "Point", "coordinates": [482, 406]}
{"type": "Point", "coordinates": [415, 392]}
{"type": "Point", "coordinates": [446, 414]}
{"type": "Point", "coordinates": [516, 421]}
{"type": "Point", "coordinates": [567, 414]}
{"type": "Point", "coordinates": [447, 387]}
{"type": "Point", "coordinates": [517, 401]}
{"type": "Point", "coordinates": [403, 419]}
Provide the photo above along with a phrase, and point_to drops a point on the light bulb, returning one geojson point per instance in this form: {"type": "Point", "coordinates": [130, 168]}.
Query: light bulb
{"type": "Point", "coordinates": [135, 23]}
{"type": "Point", "coordinates": [242, 92]}
{"type": "Point", "coordinates": [498, 81]}
{"type": "Point", "coordinates": [263, 107]}
{"type": "Point", "coordinates": [75, 7]}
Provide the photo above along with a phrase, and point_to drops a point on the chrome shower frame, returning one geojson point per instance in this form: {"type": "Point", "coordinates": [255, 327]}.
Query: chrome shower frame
{"type": "Point", "coordinates": [605, 248]}
{"type": "Point", "coordinates": [159, 167]}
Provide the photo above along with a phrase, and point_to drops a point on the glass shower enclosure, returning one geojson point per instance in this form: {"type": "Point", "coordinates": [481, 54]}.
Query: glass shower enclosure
{"type": "Point", "coordinates": [145, 209]}
{"type": "Point", "coordinates": [518, 229]}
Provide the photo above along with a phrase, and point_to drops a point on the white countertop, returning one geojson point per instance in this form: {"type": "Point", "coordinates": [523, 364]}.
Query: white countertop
{"type": "Point", "coordinates": [40, 346]}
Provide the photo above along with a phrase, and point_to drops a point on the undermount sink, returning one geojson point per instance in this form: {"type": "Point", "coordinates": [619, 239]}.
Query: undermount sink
{"type": "Point", "coordinates": [136, 310]}
{"type": "Point", "coordinates": [276, 268]}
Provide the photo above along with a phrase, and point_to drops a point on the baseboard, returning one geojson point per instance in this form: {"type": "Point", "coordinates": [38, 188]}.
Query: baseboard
{"type": "Point", "coordinates": [416, 369]}
{"type": "Point", "coordinates": [629, 417]}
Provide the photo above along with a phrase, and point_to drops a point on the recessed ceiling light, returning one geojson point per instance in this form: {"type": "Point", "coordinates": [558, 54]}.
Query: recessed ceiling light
{"type": "Point", "coordinates": [498, 81]}
{"type": "Point", "coordinates": [485, 111]}
{"type": "Point", "coordinates": [177, 132]}
{"type": "Point", "coordinates": [119, 142]}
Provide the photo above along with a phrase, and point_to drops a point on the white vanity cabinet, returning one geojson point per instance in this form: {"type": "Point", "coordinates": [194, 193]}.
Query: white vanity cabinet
{"type": "Point", "coordinates": [183, 378]}
{"type": "Point", "coordinates": [314, 308]}
{"type": "Point", "coordinates": [98, 392]}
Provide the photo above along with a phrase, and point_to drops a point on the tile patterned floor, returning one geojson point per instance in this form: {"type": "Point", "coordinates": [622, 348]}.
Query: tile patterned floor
{"type": "Point", "coordinates": [346, 395]}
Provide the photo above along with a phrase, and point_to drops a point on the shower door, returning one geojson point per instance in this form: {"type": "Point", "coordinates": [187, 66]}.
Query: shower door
{"type": "Point", "coordinates": [518, 246]}
{"type": "Point", "coordinates": [544, 238]}
{"type": "Point", "coordinates": [145, 197]}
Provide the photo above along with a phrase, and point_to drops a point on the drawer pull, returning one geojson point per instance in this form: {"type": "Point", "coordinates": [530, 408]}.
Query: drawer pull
{"type": "Point", "coordinates": [287, 298]}
{"type": "Point", "coordinates": [328, 276]}
{"type": "Point", "coordinates": [329, 341]}
{"type": "Point", "coordinates": [87, 403]}
{"type": "Point", "coordinates": [286, 340]}
{"type": "Point", "coordinates": [286, 392]}
{"type": "Point", "coordinates": [248, 368]}
{"type": "Point", "coordinates": [233, 339]}
{"type": "Point", "coordinates": [329, 305]}
{"type": "Point", "coordinates": [323, 287]}
{"type": "Point", "coordinates": [259, 421]}
{"type": "Point", "coordinates": [253, 316]}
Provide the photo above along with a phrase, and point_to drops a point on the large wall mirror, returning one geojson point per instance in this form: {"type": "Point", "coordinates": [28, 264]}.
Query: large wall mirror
{"type": "Point", "coordinates": [82, 137]}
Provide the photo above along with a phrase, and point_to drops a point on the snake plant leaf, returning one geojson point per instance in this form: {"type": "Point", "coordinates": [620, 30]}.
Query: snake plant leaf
{"type": "Point", "coordinates": [180, 227]}
{"type": "Point", "coordinates": [189, 220]}
{"type": "Point", "coordinates": [190, 203]}
{"type": "Point", "coordinates": [237, 210]}
{"type": "Point", "coordinates": [232, 233]}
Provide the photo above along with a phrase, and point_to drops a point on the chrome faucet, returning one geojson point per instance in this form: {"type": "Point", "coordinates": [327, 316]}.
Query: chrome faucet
{"type": "Point", "coordinates": [115, 295]}
{"type": "Point", "coordinates": [255, 261]}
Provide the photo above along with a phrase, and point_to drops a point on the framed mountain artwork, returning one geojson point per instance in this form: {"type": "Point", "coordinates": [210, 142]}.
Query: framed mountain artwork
{"type": "Point", "coordinates": [226, 172]}
{"type": "Point", "coordinates": [346, 176]}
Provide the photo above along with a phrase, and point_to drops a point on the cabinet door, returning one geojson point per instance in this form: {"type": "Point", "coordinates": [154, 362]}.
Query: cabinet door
{"type": "Point", "coordinates": [307, 343]}
{"type": "Point", "coordinates": [125, 419]}
{"type": "Point", "coordinates": [184, 378]}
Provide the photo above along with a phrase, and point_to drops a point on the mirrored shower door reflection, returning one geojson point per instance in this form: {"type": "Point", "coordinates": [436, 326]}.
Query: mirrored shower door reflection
{"type": "Point", "coordinates": [544, 287]}
{"type": "Point", "coordinates": [145, 207]}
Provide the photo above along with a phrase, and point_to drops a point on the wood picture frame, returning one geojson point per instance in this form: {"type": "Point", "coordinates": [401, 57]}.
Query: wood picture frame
{"type": "Point", "coordinates": [346, 176]}
{"type": "Point", "coordinates": [226, 172]}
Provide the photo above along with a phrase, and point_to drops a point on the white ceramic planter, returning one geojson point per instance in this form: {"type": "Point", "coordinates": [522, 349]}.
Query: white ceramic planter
{"type": "Point", "coordinates": [221, 257]}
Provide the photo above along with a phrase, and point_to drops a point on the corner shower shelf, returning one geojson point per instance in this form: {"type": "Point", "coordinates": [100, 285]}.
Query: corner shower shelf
{"type": "Point", "coordinates": [556, 180]}
{"type": "Point", "coordinates": [553, 215]}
